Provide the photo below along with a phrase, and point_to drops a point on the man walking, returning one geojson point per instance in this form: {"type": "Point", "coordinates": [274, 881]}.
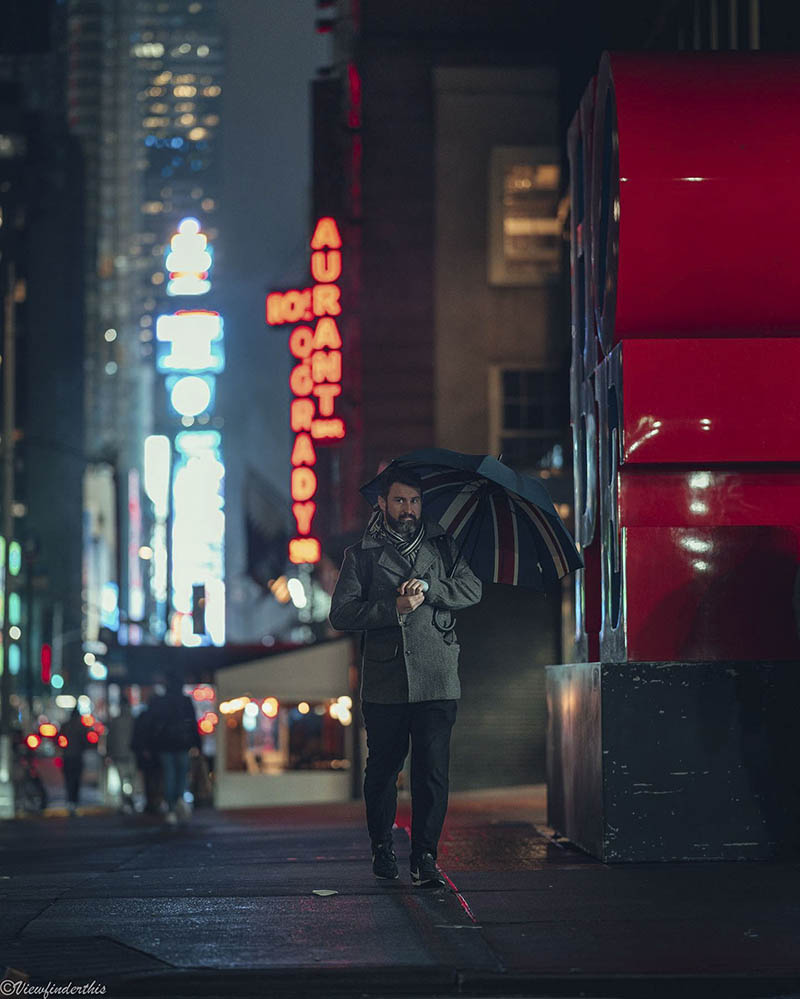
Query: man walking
{"type": "Point", "coordinates": [173, 734]}
{"type": "Point", "coordinates": [400, 587]}
{"type": "Point", "coordinates": [74, 732]}
{"type": "Point", "coordinates": [120, 754]}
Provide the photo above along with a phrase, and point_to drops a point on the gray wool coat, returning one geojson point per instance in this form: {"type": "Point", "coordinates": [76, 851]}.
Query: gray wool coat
{"type": "Point", "coordinates": [406, 657]}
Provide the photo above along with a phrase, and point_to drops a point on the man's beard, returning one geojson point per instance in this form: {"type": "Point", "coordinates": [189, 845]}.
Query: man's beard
{"type": "Point", "coordinates": [408, 525]}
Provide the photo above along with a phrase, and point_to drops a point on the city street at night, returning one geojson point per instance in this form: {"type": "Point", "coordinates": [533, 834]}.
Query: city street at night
{"type": "Point", "coordinates": [399, 472]}
{"type": "Point", "coordinates": [227, 907]}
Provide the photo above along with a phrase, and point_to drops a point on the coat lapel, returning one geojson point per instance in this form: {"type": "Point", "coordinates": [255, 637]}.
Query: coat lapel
{"type": "Point", "coordinates": [393, 561]}
{"type": "Point", "coordinates": [426, 556]}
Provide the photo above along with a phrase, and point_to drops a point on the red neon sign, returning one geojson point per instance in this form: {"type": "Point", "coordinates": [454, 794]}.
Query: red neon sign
{"type": "Point", "coordinates": [326, 235]}
{"type": "Point", "coordinates": [316, 344]}
{"type": "Point", "coordinates": [46, 662]}
{"type": "Point", "coordinates": [326, 265]}
{"type": "Point", "coordinates": [304, 484]}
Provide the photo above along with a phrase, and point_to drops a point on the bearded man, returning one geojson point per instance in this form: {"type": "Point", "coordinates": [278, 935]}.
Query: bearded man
{"type": "Point", "coordinates": [400, 587]}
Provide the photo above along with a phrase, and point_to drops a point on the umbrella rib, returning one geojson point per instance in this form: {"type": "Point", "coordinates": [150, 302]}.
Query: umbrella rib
{"type": "Point", "coordinates": [538, 520]}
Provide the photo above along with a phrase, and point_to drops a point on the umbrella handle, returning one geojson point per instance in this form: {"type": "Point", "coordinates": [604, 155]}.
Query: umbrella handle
{"type": "Point", "coordinates": [444, 629]}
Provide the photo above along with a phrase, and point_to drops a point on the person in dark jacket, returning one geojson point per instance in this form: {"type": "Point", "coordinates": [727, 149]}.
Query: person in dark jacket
{"type": "Point", "coordinates": [172, 733]}
{"type": "Point", "coordinates": [74, 731]}
{"type": "Point", "coordinates": [119, 752]}
{"type": "Point", "coordinates": [400, 587]}
{"type": "Point", "coordinates": [147, 760]}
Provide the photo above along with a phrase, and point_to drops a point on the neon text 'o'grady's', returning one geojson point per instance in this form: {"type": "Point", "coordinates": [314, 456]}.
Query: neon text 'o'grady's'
{"type": "Point", "coordinates": [315, 380]}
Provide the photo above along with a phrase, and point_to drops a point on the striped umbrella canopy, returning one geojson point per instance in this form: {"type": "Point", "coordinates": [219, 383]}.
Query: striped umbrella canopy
{"type": "Point", "coordinates": [505, 523]}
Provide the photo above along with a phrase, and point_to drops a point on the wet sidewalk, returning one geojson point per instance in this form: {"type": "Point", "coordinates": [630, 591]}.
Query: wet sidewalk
{"type": "Point", "coordinates": [227, 907]}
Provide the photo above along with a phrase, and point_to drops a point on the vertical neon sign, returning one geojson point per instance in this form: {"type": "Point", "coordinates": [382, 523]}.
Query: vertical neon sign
{"type": "Point", "coordinates": [190, 355]}
{"type": "Point", "coordinates": [315, 381]}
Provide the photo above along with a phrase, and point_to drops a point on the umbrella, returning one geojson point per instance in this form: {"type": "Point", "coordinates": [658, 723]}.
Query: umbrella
{"type": "Point", "coordinates": [505, 523]}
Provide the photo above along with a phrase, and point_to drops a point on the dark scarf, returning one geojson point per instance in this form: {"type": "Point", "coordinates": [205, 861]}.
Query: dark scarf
{"type": "Point", "coordinates": [381, 531]}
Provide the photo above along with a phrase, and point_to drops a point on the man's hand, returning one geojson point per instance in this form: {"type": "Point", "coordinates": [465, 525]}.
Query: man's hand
{"type": "Point", "coordinates": [412, 586]}
{"type": "Point", "coordinates": [409, 602]}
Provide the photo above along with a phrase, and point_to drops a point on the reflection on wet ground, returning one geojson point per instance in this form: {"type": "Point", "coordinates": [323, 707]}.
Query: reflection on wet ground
{"type": "Point", "coordinates": [506, 846]}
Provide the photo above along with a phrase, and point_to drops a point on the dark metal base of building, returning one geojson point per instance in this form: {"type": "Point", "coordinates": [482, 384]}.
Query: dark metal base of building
{"type": "Point", "coordinates": [675, 761]}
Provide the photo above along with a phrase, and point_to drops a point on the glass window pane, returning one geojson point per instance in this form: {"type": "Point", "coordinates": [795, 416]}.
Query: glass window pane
{"type": "Point", "coordinates": [531, 228]}
{"type": "Point", "coordinates": [512, 417]}
{"type": "Point", "coordinates": [512, 381]}
{"type": "Point", "coordinates": [535, 416]}
{"type": "Point", "coordinates": [533, 454]}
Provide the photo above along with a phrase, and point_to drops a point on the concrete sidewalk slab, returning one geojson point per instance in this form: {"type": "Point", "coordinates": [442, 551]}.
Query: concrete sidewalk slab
{"type": "Point", "coordinates": [225, 906]}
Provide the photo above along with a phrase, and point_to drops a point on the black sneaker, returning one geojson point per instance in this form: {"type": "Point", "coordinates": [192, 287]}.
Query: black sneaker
{"type": "Point", "coordinates": [425, 873]}
{"type": "Point", "coordinates": [384, 862]}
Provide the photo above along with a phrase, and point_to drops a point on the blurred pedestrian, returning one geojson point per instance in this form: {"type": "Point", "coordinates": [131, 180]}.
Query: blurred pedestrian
{"type": "Point", "coordinates": [74, 731]}
{"type": "Point", "coordinates": [30, 793]}
{"type": "Point", "coordinates": [148, 762]}
{"type": "Point", "coordinates": [173, 734]}
{"type": "Point", "coordinates": [399, 587]}
{"type": "Point", "coordinates": [119, 752]}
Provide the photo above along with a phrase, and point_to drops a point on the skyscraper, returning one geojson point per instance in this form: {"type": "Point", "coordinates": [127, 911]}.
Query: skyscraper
{"type": "Point", "coordinates": [41, 283]}
{"type": "Point", "coordinates": [144, 93]}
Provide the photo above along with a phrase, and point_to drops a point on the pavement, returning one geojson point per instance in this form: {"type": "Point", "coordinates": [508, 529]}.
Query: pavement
{"type": "Point", "coordinates": [230, 905]}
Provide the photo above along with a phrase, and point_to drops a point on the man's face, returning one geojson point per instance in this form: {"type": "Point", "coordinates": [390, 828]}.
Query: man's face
{"type": "Point", "coordinates": [402, 509]}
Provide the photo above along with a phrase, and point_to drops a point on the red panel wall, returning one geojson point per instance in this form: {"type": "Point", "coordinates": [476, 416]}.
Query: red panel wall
{"type": "Point", "coordinates": [685, 357]}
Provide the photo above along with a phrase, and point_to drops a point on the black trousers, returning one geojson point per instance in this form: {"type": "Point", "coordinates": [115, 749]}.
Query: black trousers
{"type": "Point", "coordinates": [389, 727]}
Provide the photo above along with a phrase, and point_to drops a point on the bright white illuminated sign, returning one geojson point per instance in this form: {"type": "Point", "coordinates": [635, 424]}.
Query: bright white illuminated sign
{"type": "Point", "coordinates": [136, 600]}
{"type": "Point", "coordinates": [189, 260]}
{"type": "Point", "coordinates": [198, 533]}
{"type": "Point", "coordinates": [157, 469]}
{"type": "Point", "coordinates": [157, 459]}
{"type": "Point", "coordinates": [192, 341]}
{"type": "Point", "coordinates": [190, 353]}
{"type": "Point", "coordinates": [190, 395]}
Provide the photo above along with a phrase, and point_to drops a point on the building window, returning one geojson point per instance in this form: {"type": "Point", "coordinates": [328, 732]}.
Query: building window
{"type": "Point", "coordinates": [524, 223]}
{"type": "Point", "coordinates": [529, 410]}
